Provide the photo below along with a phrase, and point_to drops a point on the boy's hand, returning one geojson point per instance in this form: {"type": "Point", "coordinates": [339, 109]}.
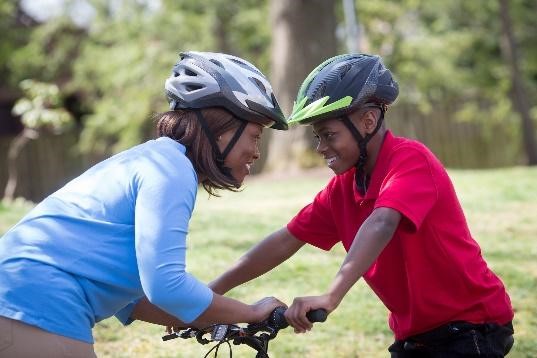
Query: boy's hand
{"type": "Point", "coordinates": [296, 314]}
{"type": "Point", "coordinates": [264, 307]}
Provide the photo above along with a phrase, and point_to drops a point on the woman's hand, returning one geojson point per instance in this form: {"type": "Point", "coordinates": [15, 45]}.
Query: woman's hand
{"type": "Point", "coordinates": [264, 307]}
{"type": "Point", "coordinates": [296, 314]}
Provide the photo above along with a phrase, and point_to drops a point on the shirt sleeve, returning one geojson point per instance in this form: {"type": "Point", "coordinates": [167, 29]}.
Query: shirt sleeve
{"type": "Point", "coordinates": [409, 186]}
{"type": "Point", "coordinates": [164, 204]}
{"type": "Point", "coordinates": [124, 314]}
{"type": "Point", "coordinates": [314, 224]}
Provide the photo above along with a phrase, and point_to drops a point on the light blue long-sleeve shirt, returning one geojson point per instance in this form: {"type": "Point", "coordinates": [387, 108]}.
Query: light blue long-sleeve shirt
{"type": "Point", "coordinates": [107, 238]}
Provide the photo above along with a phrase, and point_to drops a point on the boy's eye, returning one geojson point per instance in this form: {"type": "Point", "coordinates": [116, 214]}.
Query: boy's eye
{"type": "Point", "coordinates": [324, 136]}
{"type": "Point", "coordinates": [328, 135]}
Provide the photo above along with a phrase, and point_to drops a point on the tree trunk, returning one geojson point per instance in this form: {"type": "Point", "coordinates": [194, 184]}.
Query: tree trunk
{"type": "Point", "coordinates": [303, 35]}
{"type": "Point", "coordinates": [12, 156]}
{"type": "Point", "coordinates": [223, 18]}
{"type": "Point", "coordinates": [518, 93]}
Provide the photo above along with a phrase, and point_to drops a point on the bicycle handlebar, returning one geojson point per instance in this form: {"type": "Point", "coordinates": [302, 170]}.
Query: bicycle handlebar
{"type": "Point", "coordinates": [268, 330]}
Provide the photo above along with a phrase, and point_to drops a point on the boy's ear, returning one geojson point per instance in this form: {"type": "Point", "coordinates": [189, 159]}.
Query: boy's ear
{"type": "Point", "coordinates": [369, 120]}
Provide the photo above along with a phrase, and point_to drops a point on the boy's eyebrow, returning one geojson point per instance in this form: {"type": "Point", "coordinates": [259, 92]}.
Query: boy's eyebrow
{"type": "Point", "coordinates": [320, 128]}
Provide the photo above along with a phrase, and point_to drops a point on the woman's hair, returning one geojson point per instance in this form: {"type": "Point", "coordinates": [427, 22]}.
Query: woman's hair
{"type": "Point", "coordinates": [183, 127]}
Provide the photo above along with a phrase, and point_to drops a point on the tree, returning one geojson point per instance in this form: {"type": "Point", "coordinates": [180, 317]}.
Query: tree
{"type": "Point", "coordinates": [303, 35]}
{"type": "Point", "coordinates": [140, 46]}
{"type": "Point", "coordinates": [518, 93]}
{"type": "Point", "coordinates": [449, 54]}
{"type": "Point", "coordinates": [40, 110]}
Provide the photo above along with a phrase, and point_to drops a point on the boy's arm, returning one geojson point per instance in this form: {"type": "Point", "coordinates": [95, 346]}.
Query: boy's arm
{"type": "Point", "coordinates": [263, 257]}
{"type": "Point", "coordinates": [372, 237]}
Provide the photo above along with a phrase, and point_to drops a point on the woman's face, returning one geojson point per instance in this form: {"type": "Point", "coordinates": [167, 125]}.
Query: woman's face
{"type": "Point", "coordinates": [244, 152]}
{"type": "Point", "coordinates": [336, 144]}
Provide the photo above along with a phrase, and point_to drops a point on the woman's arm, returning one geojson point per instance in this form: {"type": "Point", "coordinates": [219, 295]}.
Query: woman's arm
{"type": "Point", "coordinates": [221, 310]}
{"type": "Point", "coordinates": [148, 312]}
{"type": "Point", "coordinates": [263, 257]}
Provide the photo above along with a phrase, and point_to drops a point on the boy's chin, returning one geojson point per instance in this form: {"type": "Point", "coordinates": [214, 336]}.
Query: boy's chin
{"type": "Point", "coordinates": [340, 170]}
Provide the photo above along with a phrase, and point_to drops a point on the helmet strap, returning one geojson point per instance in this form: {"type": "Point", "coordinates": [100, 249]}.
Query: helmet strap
{"type": "Point", "coordinates": [234, 139]}
{"type": "Point", "coordinates": [219, 156]}
{"type": "Point", "coordinates": [360, 177]}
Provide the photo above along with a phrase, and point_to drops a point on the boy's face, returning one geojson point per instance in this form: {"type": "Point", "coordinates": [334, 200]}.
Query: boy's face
{"type": "Point", "coordinates": [336, 144]}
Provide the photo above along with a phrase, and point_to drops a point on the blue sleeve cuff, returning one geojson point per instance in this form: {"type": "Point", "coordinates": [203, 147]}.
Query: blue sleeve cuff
{"type": "Point", "coordinates": [124, 314]}
{"type": "Point", "coordinates": [201, 299]}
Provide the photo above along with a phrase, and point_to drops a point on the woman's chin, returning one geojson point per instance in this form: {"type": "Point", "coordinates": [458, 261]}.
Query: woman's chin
{"type": "Point", "coordinates": [239, 179]}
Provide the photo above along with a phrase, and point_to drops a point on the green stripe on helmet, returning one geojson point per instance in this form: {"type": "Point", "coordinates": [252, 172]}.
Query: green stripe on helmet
{"type": "Point", "coordinates": [303, 115]}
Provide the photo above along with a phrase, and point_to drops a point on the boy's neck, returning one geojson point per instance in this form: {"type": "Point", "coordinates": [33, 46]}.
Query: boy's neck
{"type": "Point", "coordinates": [373, 150]}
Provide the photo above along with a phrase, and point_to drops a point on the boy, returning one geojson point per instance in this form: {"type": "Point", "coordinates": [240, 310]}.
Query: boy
{"type": "Point", "coordinates": [394, 208]}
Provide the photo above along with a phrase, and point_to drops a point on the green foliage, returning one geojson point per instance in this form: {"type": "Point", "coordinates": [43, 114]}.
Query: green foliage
{"type": "Point", "coordinates": [127, 56]}
{"type": "Point", "coordinates": [13, 36]}
{"type": "Point", "coordinates": [441, 52]}
{"type": "Point", "coordinates": [49, 52]}
{"type": "Point", "coordinates": [451, 51]}
{"type": "Point", "coordinates": [117, 65]}
{"type": "Point", "coordinates": [41, 108]}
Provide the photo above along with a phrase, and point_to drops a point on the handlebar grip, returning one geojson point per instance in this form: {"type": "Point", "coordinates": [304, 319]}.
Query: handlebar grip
{"type": "Point", "coordinates": [318, 315]}
{"type": "Point", "coordinates": [278, 320]}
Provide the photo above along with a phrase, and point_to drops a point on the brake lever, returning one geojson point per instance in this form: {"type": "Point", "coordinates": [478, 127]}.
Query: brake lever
{"type": "Point", "coordinates": [258, 344]}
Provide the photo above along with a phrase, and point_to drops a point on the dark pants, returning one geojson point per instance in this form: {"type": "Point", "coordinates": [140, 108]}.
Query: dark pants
{"type": "Point", "coordinates": [457, 339]}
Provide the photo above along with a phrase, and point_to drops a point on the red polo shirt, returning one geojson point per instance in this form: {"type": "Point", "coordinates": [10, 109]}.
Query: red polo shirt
{"type": "Point", "coordinates": [432, 271]}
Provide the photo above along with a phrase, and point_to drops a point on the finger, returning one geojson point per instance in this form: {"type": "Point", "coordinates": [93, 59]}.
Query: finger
{"type": "Point", "coordinates": [304, 321]}
{"type": "Point", "coordinates": [292, 316]}
{"type": "Point", "coordinates": [299, 314]}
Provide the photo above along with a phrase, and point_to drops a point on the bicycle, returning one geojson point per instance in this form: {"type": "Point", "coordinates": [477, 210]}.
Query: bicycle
{"type": "Point", "coordinates": [254, 335]}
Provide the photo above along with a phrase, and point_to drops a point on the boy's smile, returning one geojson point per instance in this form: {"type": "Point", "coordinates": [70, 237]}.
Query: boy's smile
{"type": "Point", "coordinates": [336, 144]}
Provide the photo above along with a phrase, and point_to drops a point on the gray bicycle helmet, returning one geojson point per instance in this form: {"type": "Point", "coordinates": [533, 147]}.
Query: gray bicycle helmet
{"type": "Point", "coordinates": [206, 79]}
{"type": "Point", "coordinates": [342, 84]}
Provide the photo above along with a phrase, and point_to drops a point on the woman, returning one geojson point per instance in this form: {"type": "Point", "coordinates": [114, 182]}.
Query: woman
{"type": "Point", "coordinates": [113, 240]}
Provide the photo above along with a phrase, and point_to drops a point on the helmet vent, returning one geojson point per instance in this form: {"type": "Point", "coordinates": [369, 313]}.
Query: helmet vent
{"type": "Point", "coordinates": [259, 84]}
{"type": "Point", "coordinates": [193, 87]}
{"type": "Point", "coordinates": [239, 62]}
{"type": "Point", "coordinates": [318, 92]}
{"type": "Point", "coordinates": [218, 63]}
{"type": "Point", "coordinates": [190, 72]}
{"type": "Point", "coordinates": [344, 71]}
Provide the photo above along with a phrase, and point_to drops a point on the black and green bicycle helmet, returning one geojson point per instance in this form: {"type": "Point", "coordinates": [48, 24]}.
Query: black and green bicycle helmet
{"type": "Point", "coordinates": [341, 85]}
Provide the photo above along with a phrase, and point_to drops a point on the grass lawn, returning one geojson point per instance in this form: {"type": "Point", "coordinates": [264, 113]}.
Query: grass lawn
{"type": "Point", "coordinates": [501, 207]}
